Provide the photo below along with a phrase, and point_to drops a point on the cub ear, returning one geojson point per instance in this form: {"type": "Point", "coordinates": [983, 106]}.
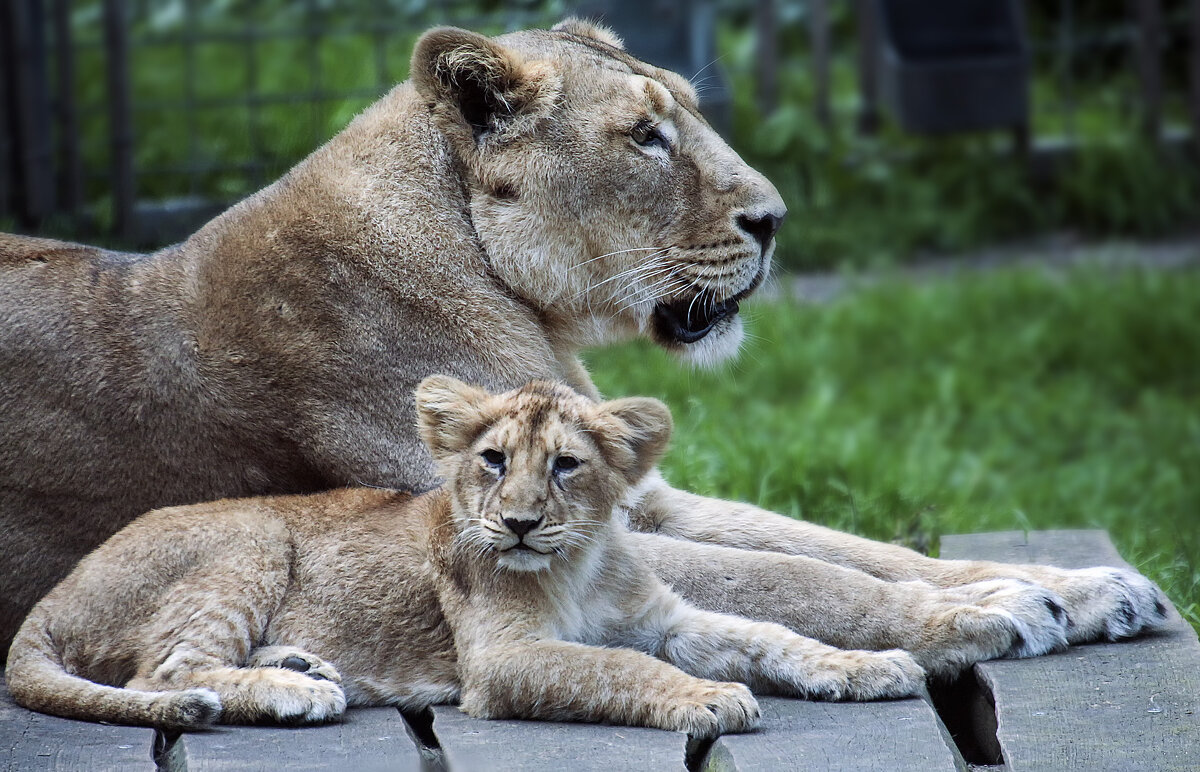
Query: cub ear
{"type": "Point", "coordinates": [483, 86]}
{"type": "Point", "coordinates": [585, 28]}
{"type": "Point", "coordinates": [642, 431]}
{"type": "Point", "coordinates": [449, 414]}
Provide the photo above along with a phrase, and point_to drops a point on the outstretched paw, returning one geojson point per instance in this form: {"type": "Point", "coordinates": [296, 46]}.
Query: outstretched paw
{"type": "Point", "coordinates": [713, 708]}
{"type": "Point", "coordinates": [1034, 619]}
{"type": "Point", "coordinates": [293, 658]}
{"type": "Point", "coordinates": [1111, 603]}
{"type": "Point", "coordinates": [862, 675]}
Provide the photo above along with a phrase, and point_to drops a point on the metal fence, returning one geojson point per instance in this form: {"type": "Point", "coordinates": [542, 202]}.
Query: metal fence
{"type": "Point", "coordinates": [130, 121]}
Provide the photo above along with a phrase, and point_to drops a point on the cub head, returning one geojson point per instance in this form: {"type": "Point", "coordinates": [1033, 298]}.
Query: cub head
{"type": "Point", "coordinates": [600, 194]}
{"type": "Point", "coordinates": [533, 474]}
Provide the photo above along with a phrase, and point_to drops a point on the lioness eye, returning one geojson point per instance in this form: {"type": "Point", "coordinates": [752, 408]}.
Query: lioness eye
{"type": "Point", "coordinates": [565, 463]}
{"type": "Point", "coordinates": [493, 457]}
{"type": "Point", "coordinates": [646, 135]}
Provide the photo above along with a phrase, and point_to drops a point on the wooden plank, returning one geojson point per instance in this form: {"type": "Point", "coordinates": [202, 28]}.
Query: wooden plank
{"type": "Point", "coordinates": [896, 735]}
{"type": "Point", "coordinates": [472, 745]}
{"type": "Point", "coordinates": [32, 742]}
{"type": "Point", "coordinates": [1123, 707]}
{"type": "Point", "coordinates": [369, 740]}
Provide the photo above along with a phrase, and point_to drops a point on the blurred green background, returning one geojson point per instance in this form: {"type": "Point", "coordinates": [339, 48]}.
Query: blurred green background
{"type": "Point", "coordinates": [908, 405]}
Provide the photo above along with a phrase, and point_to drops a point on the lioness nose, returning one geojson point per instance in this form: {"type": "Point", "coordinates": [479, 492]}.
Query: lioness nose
{"type": "Point", "coordinates": [521, 526]}
{"type": "Point", "coordinates": [760, 226]}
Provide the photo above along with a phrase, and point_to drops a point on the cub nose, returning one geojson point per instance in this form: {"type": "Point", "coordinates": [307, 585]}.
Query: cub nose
{"type": "Point", "coordinates": [521, 526]}
{"type": "Point", "coordinates": [761, 226]}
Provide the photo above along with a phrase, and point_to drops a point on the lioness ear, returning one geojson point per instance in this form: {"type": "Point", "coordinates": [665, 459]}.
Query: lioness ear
{"type": "Point", "coordinates": [643, 428]}
{"type": "Point", "coordinates": [589, 29]}
{"type": "Point", "coordinates": [480, 85]}
{"type": "Point", "coordinates": [449, 414]}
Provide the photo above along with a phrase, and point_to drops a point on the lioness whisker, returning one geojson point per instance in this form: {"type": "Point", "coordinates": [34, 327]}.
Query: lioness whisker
{"type": "Point", "coordinates": [611, 254]}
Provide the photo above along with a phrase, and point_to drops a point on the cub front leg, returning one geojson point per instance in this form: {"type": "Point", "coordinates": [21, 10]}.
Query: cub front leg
{"type": "Point", "coordinates": [1101, 603]}
{"type": "Point", "coordinates": [773, 659]}
{"type": "Point", "coordinates": [560, 681]}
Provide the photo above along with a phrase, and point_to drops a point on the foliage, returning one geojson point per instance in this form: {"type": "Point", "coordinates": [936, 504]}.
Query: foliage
{"type": "Point", "coordinates": [1012, 401]}
{"type": "Point", "coordinates": [877, 200]}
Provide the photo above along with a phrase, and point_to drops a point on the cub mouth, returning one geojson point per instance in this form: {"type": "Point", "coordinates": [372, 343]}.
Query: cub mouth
{"type": "Point", "coordinates": [687, 320]}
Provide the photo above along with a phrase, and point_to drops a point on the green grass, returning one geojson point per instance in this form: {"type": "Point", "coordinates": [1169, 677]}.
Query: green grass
{"type": "Point", "coordinates": [1003, 401]}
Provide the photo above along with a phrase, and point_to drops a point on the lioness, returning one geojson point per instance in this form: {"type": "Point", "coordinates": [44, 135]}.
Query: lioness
{"type": "Point", "coordinates": [518, 199]}
{"type": "Point", "coordinates": [500, 587]}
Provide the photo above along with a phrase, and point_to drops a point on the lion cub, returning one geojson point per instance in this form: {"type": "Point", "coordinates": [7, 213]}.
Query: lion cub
{"type": "Point", "coordinates": [510, 589]}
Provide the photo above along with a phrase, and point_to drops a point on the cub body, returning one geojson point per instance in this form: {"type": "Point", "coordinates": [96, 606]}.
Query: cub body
{"type": "Point", "coordinates": [512, 589]}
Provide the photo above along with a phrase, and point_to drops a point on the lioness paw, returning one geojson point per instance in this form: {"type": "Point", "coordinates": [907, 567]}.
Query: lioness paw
{"type": "Point", "coordinates": [293, 658]}
{"type": "Point", "coordinates": [1110, 603]}
{"type": "Point", "coordinates": [1028, 619]}
{"type": "Point", "coordinates": [712, 709]}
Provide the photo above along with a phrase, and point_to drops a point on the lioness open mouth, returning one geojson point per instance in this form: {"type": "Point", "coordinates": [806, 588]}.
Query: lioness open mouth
{"type": "Point", "coordinates": [688, 320]}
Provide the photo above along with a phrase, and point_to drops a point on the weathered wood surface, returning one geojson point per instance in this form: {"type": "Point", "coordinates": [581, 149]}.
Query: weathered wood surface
{"type": "Point", "coordinates": [32, 742]}
{"type": "Point", "coordinates": [473, 745]}
{"type": "Point", "coordinates": [1122, 706]}
{"type": "Point", "coordinates": [368, 740]}
{"type": "Point", "coordinates": [898, 735]}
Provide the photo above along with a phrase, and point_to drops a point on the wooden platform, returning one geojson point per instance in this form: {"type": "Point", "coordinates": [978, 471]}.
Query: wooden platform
{"type": "Point", "coordinates": [1129, 706]}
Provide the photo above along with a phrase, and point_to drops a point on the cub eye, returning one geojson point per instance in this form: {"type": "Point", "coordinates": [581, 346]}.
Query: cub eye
{"type": "Point", "coordinates": [493, 458]}
{"type": "Point", "coordinates": [565, 464]}
{"type": "Point", "coordinates": [645, 134]}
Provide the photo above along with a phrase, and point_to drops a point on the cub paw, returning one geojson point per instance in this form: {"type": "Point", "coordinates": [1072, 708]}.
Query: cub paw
{"type": "Point", "coordinates": [862, 675]}
{"type": "Point", "coordinates": [1111, 603]}
{"type": "Point", "coordinates": [713, 708]}
{"type": "Point", "coordinates": [1023, 619]}
{"type": "Point", "coordinates": [293, 658]}
{"type": "Point", "coordinates": [293, 699]}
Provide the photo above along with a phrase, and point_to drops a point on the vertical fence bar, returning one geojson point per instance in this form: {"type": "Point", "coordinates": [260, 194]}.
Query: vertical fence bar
{"type": "Point", "coordinates": [253, 103]}
{"type": "Point", "coordinates": [31, 112]}
{"type": "Point", "coordinates": [1066, 66]}
{"type": "Point", "coordinates": [8, 168]}
{"type": "Point", "coordinates": [867, 26]}
{"type": "Point", "coordinates": [116, 42]}
{"type": "Point", "coordinates": [767, 57]}
{"type": "Point", "coordinates": [189, 95]}
{"type": "Point", "coordinates": [314, 72]}
{"type": "Point", "coordinates": [818, 30]}
{"type": "Point", "coordinates": [70, 159]}
{"type": "Point", "coordinates": [1194, 73]}
{"type": "Point", "coordinates": [1147, 50]}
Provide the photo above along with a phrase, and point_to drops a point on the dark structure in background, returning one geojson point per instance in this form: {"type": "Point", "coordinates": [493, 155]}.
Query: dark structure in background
{"type": "Point", "coordinates": [953, 65]}
{"type": "Point", "coordinates": [75, 168]}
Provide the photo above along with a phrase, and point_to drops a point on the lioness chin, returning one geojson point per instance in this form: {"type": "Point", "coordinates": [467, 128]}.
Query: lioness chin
{"type": "Point", "coordinates": [501, 589]}
{"type": "Point", "coordinates": [518, 199]}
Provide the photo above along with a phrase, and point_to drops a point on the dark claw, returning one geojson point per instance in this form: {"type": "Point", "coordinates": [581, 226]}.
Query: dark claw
{"type": "Point", "coordinates": [299, 664]}
{"type": "Point", "coordinates": [1058, 612]}
{"type": "Point", "coordinates": [1017, 645]}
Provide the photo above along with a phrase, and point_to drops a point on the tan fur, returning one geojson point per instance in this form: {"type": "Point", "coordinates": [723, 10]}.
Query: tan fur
{"type": "Point", "coordinates": [513, 587]}
{"type": "Point", "coordinates": [486, 219]}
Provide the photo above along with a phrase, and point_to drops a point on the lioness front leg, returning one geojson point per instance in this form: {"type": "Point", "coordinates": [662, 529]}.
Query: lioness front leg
{"type": "Point", "coordinates": [1101, 603]}
{"type": "Point", "coordinates": [852, 610]}
{"type": "Point", "coordinates": [773, 659]}
{"type": "Point", "coordinates": [560, 681]}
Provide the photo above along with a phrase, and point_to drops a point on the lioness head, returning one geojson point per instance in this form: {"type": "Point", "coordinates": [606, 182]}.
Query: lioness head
{"type": "Point", "coordinates": [534, 473]}
{"type": "Point", "coordinates": [599, 192]}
